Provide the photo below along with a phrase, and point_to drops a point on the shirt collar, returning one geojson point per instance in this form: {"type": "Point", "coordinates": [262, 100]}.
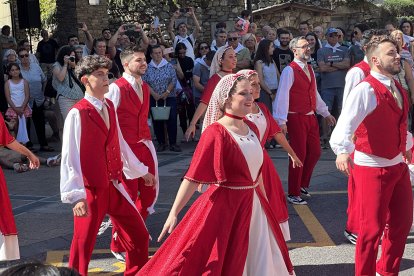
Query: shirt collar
{"type": "Point", "coordinates": [98, 104]}
{"type": "Point", "coordinates": [300, 63]}
{"type": "Point", "coordinates": [131, 79]}
{"type": "Point", "coordinates": [382, 78]}
{"type": "Point", "coordinates": [162, 63]}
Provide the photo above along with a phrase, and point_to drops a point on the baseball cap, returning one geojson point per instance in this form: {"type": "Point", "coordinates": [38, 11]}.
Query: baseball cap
{"type": "Point", "coordinates": [331, 31]}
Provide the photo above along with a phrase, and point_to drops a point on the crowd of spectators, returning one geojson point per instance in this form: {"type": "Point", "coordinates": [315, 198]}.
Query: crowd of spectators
{"type": "Point", "coordinates": [42, 86]}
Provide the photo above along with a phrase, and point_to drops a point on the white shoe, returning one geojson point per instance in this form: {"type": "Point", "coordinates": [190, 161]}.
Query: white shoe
{"type": "Point", "coordinates": [104, 225]}
{"type": "Point", "coordinates": [120, 256]}
{"type": "Point", "coordinates": [296, 200]}
{"type": "Point", "coordinates": [305, 192]}
{"type": "Point", "coordinates": [351, 237]}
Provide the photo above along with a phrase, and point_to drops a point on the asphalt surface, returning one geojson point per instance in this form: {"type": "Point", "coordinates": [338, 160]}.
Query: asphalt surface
{"type": "Point", "coordinates": [318, 246]}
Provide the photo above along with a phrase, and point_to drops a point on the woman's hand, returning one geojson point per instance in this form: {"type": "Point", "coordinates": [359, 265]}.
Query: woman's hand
{"type": "Point", "coordinates": [66, 60]}
{"type": "Point", "coordinates": [168, 226]}
{"type": "Point", "coordinates": [296, 163]}
{"type": "Point", "coordinates": [155, 96]}
{"type": "Point", "coordinates": [190, 132]}
{"type": "Point", "coordinates": [34, 161]}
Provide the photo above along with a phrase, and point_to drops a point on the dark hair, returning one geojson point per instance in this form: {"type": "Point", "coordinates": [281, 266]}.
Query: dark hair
{"type": "Point", "coordinates": [178, 47]}
{"type": "Point", "coordinates": [304, 22]}
{"type": "Point", "coordinates": [22, 42]}
{"type": "Point", "coordinates": [282, 31]}
{"type": "Point", "coordinates": [405, 20]}
{"type": "Point", "coordinates": [89, 64]}
{"type": "Point", "coordinates": [101, 39]}
{"type": "Point", "coordinates": [210, 55]}
{"type": "Point", "coordinates": [198, 48]}
{"type": "Point", "coordinates": [221, 25]}
{"type": "Point", "coordinates": [105, 29]}
{"type": "Point", "coordinates": [245, 13]}
{"type": "Point", "coordinates": [126, 54]}
{"type": "Point", "coordinates": [363, 27]}
{"type": "Point", "coordinates": [62, 52]}
{"type": "Point", "coordinates": [262, 52]}
{"type": "Point", "coordinates": [151, 48]}
{"type": "Point", "coordinates": [72, 36]}
{"type": "Point", "coordinates": [9, 67]}
{"type": "Point", "coordinates": [20, 49]}
{"type": "Point", "coordinates": [369, 34]}
{"type": "Point", "coordinates": [317, 46]}
{"type": "Point", "coordinates": [181, 23]}
{"type": "Point", "coordinates": [32, 269]}
{"type": "Point", "coordinates": [4, 28]}
{"type": "Point", "coordinates": [342, 30]}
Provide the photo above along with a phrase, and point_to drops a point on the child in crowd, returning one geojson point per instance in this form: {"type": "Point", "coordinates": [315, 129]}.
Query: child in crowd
{"type": "Point", "coordinates": [17, 96]}
{"type": "Point", "coordinates": [242, 25]}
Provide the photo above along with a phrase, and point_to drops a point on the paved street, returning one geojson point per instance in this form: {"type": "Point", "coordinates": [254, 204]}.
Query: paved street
{"type": "Point", "coordinates": [318, 246]}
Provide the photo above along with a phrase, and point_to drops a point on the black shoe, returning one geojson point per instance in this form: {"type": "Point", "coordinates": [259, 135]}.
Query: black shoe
{"type": "Point", "coordinates": [175, 148]}
{"type": "Point", "coordinates": [161, 147]}
{"type": "Point", "coordinates": [47, 149]}
{"type": "Point", "coordinates": [304, 192]}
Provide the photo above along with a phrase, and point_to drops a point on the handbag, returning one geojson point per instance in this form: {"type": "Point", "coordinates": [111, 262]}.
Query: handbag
{"type": "Point", "coordinates": [160, 113]}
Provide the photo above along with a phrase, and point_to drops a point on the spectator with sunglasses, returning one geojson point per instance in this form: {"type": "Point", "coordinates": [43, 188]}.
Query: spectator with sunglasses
{"type": "Point", "coordinates": [68, 87]}
{"type": "Point", "coordinates": [356, 54]}
{"type": "Point", "coordinates": [243, 54]}
{"type": "Point", "coordinates": [34, 75]}
{"type": "Point", "coordinates": [202, 50]}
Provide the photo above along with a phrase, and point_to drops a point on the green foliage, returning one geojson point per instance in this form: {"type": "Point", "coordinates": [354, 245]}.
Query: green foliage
{"type": "Point", "coordinates": [400, 8]}
{"type": "Point", "coordinates": [47, 13]}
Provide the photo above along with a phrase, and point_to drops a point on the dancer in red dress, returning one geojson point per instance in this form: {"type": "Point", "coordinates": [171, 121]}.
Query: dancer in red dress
{"type": "Point", "coordinates": [268, 129]}
{"type": "Point", "coordinates": [231, 228]}
{"type": "Point", "coordinates": [9, 245]}
{"type": "Point", "coordinates": [93, 159]}
{"type": "Point", "coordinates": [130, 96]}
{"type": "Point", "coordinates": [224, 62]}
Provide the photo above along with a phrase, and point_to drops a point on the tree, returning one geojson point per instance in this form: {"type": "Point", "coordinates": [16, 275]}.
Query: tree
{"type": "Point", "coordinates": [400, 8]}
{"type": "Point", "coordinates": [47, 13]}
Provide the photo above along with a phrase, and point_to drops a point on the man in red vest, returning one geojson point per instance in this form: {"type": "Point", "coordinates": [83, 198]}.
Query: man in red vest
{"type": "Point", "coordinates": [376, 113]}
{"type": "Point", "coordinates": [130, 96]}
{"type": "Point", "coordinates": [354, 76]}
{"type": "Point", "coordinates": [294, 108]}
{"type": "Point", "coordinates": [91, 172]}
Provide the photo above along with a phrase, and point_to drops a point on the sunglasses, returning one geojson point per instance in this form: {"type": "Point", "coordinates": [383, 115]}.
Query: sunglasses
{"type": "Point", "coordinates": [232, 38]}
{"type": "Point", "coordinates": [22, 56]}
{"type": "Point", "coordinates": [204, 48]}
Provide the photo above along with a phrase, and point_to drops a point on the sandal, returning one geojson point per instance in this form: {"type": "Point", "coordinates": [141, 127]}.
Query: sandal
{"type": "Point", "coordinates": [20, 168]}
{"type": "Point", "coordinates": [47, 149]}
{"type": "Point", "coordinates": [54, 161]}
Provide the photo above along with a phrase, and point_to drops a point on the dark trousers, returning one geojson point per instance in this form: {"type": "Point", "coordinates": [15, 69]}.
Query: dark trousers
{"type": "Point", "coordinates": [171, 122]}
{"type": "Point", "coordinates": [186, 109]}
{"type": "Point", "coordinates": [38, 118]}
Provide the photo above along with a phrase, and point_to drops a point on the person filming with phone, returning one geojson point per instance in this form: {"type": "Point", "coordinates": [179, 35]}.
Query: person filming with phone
{"type": "Point", "coordinates": [182, 29]}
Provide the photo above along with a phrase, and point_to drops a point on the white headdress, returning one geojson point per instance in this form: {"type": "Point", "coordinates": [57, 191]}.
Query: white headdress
{"type": "Point", "coordinates": [247, 73]}
{"type": "Point", "coordinates": [215, 63]}
{"type": "Point", "coordinates": [215, 109]}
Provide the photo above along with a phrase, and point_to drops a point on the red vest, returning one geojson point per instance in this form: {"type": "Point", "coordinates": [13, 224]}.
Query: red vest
{"type": "Point", "coordinates": [302, 97]}
{"type": "Point", "coordinates": [364, 66]}
{"type": "Point", "coordinates": [132, 113]}
{"type": "Point", "coordinates": [383, 133]}
{"type": "Point", "coordinates": [100, 154]}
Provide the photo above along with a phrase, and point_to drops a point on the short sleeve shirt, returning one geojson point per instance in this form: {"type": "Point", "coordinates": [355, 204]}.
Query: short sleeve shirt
{"type": "Point", "coordinates": [334, 79]}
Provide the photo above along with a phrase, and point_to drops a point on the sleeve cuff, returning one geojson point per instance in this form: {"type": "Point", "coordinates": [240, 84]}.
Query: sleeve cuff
{"type": "Point", "coordinates": [73, 196]}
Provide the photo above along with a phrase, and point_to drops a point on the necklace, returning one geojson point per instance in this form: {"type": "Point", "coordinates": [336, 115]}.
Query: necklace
{"type": "Point", "coordinates": [233, 116]}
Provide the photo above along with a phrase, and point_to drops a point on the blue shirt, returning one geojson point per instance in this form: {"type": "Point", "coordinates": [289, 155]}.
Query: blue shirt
{"type": "Point", "coordinates": [159, 77]}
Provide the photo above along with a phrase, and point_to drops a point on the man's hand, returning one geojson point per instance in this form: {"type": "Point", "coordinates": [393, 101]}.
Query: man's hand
{"type": "Point", "coordinates": [191, 11]}
{"type": "Point", "coordinates": [149, 180]}
{"type": "Point", "coordinates": [138, 28]}
{"type": "Point", "coordinates": [284, 129]}
{"type": "Point", "coordinates": [176, 14]}
{"type": "Point", "coordinates": [84, 27]}
{"type": "Point", "coordinates": [330, 120]}
{"type": "Point", "coordinates": [343, 161]}
{"type": "Point", "coordinates": [80, 209]}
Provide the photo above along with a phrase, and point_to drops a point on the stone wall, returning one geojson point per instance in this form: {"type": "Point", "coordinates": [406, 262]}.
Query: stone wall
{"type": "Point", "coordinates": [69, 13]}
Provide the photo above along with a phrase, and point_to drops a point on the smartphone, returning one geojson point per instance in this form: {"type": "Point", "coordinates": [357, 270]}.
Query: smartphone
{"type": "Point", "coordinates": [184, 10]}
{"type": "Point", "coordinates": [130, 27]}
{"type": "Point", "coordinates": [168, 50]}
{"type": "Point", "coordinates": [156, 22]}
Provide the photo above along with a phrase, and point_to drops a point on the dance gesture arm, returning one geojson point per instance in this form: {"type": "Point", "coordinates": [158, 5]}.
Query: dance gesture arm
{"type": "Point", "coordinates": [281, 139]}
{"type": "Point", "coordinates": [72, 186]}
{"type": "Point", "coordinates": [184, 194]}
{"type": "Point", "coordinates": [16, 146]}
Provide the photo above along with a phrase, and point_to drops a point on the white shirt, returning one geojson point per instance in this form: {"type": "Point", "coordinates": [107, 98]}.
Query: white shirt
{"type": "Point", "coordinates": [354, 76]}
{"type": "Point", "coordinates": [72, 187]}
{"type": "Point", "coordinates": [188, 44]}
{"type": "Point", "coordinates": [281, 103]}
{"type": "Point", "coordinates": [360, 103]}
{"type": "Point", "coordinates": [114, 93]}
